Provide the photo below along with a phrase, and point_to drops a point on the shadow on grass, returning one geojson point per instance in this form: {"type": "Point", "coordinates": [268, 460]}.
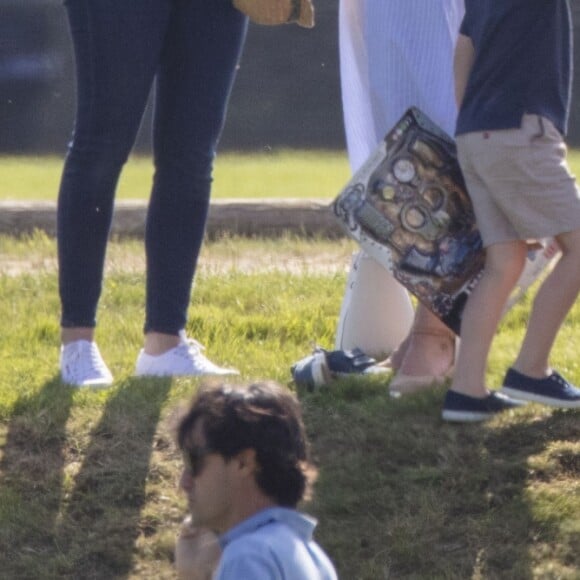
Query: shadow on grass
{"type": "Point", "coordinates": [403, 495]}
{"type": "Point", "coordinates": [75, 506]}
{"type": "Point", "coordinates": [35, 452]}
{"type": "Point", "coordinates": [101, 517]}
{"type": "Point", "coordinates": [518, 525]}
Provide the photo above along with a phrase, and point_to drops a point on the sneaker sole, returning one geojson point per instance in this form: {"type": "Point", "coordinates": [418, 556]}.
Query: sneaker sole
{"type": "Point", "coordinates": [533, 398]}
{"type": "Point", "coordinates": [465, 417]}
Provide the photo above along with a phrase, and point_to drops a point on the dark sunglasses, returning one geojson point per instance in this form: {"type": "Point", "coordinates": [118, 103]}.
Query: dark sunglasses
{"type": "Point", "coordinates": [194, 459]}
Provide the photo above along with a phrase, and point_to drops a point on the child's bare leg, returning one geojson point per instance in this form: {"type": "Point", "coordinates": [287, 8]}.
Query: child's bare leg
{"type": "Point", "coordinates": [503, 265]}
{"type": "Point", "coordinates": [551, 305]}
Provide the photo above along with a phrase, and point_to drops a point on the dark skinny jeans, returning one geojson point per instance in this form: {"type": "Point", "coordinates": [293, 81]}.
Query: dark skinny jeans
{"type": "Point", "coordinates": [190, 48]}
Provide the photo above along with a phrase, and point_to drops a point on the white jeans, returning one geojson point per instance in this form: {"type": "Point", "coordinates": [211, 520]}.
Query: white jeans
{"type": "Point", "coordinates": [394, 54]}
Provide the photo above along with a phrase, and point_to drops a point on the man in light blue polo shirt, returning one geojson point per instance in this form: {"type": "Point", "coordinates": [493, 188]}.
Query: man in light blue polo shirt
{"type": "Point", "coordinates": [246, 469]}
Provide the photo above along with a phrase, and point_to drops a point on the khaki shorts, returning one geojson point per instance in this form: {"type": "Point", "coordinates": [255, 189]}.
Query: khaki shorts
{"type": "Point", "coordinates": [519, 182]}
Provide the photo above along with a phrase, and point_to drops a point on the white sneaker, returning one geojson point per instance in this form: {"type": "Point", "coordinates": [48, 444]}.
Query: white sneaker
{"type": "Point", "coordinates": [186, 359]}
{"type": "Point", "coordinates": [81, 365]}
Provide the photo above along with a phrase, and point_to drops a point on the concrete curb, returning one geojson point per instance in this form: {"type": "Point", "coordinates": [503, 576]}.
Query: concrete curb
{"type": "Point", "coordinates": [245, 217]}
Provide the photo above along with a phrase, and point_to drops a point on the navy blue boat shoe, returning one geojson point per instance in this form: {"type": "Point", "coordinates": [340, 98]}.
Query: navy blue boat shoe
{"type": "Point", "coordinates": [464, 409]}
{"type": "Point", "coordinates": [553, 390]}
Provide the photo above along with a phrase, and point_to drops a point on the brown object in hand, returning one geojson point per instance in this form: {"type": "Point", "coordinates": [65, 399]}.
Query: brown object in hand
{"type": "Point", "coordinates": [274, 12]}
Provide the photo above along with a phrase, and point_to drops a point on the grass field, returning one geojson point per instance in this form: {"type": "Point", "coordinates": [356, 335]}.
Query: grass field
{"type": "Point", "coordinates": [306, 174]}
{"type": "Point", "coordinates": [88, 479]}
{"type": "Point", "coordinates": [270, 174]}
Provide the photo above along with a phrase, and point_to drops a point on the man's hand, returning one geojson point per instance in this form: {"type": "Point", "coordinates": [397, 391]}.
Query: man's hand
{"type": "Point", "coordinates": [197, 553]}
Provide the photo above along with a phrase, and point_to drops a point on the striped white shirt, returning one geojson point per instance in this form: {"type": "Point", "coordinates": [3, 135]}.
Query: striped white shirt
{"type": "Point", "coordinates": [395, 54]}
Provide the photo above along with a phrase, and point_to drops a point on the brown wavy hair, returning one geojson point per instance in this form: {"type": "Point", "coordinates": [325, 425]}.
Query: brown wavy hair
{"type": "Point", "coordinates": [263, 416]}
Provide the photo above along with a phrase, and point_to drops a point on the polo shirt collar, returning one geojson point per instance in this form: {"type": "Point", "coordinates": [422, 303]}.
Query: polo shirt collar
{"type": "Point", "coordinates": [302, 525]}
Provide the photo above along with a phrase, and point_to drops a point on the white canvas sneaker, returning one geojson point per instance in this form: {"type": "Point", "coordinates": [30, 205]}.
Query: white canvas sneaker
{"type": "Point", "coordinates": [81, 365]}
{"type": "Point", "coordinates": [186, 359]}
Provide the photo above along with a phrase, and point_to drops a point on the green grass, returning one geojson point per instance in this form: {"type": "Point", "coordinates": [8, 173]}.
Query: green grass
{"type": "Point", "coordinates": [275, 174]}
{"type": "Point", "coordinates": [88, 479]}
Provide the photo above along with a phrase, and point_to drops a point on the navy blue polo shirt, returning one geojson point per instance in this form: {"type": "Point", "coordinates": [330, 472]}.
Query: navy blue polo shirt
{"type": "Point", "coordinates": [523, 63]}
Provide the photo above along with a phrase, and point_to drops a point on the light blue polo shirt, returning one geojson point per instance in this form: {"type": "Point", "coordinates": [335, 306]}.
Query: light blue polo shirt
{"type": "Point", "coordinates": [274, 544]}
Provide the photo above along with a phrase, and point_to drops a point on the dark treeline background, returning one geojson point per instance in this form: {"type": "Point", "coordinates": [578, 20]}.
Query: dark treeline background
{"type": "Point", "coordinates": [287, 92]}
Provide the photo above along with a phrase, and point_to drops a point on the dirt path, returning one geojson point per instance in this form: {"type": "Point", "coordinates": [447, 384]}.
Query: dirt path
{"type": "Point", "coordinates": [214, 260]}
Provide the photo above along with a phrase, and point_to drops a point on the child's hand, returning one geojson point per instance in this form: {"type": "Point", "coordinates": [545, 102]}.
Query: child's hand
{"type": "Point", "coordinates": [197, 553]}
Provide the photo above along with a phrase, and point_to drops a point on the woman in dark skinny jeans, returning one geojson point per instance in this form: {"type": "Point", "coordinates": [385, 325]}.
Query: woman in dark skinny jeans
{"type": "Point", "coordinates": [190, 50]}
